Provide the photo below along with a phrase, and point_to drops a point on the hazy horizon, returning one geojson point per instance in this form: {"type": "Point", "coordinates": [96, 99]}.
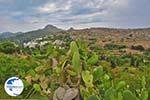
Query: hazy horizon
{"type": "Point", "coordinates": [28, 15]}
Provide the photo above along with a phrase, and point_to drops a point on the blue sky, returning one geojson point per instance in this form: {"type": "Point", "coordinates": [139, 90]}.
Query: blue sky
{"type": "Point", "coordinates": [26, 15]}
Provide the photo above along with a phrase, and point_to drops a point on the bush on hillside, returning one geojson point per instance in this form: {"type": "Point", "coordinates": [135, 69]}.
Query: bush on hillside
{"type": "Point", "coordinates": [138, 47]}
{"type": "Point", "coordinates": [112, 46]}
{"type": "Point", "coordinates": [8, 47]}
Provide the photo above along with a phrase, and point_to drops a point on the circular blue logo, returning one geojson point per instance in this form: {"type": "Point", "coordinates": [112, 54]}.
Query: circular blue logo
{"type": "Point", "coordinates": [14, 86]}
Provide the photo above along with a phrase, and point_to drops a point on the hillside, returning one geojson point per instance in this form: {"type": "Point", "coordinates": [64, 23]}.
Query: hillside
{"type": "Point", "coordinates": [101, 36]}
{"type": "Point", "coordinates": [75, 70]}
{"type": "Point", "coordinates": [49, 29]}
{"type": "Point", "coordinates": [57, 64]}
{"type": "Point", "coordinates": [5, 35]}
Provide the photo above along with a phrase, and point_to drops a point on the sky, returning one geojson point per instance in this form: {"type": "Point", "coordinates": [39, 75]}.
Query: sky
{"type": "Point", "coordinates": [27, 15]}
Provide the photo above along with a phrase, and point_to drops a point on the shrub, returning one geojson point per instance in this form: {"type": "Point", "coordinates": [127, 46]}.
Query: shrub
{"type": "Point", "coordinates": [138, 47]}
{"type": "Point", "coordinates": [147, 52]}
{"type": "Point", "coordinates": [8, 47]}
{"type": "Point", "coordinates": [114, 46]}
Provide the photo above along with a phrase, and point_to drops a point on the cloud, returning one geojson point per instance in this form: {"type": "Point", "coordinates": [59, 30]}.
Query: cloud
{"type": "Point", "coordinates": [11, 25]}
{"type": "Point", "coordinates": [53, 7]}
{"type": "Point", "coordinates": [74, 12]}
{"type": "Point", "coordinates": [24, 15]}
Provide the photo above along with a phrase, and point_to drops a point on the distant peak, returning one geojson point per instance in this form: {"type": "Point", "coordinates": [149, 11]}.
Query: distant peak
{"type": "Point", "coordinates": [71, 29]}
{"type": "Point", "coordinates": [49, 27]}
{"type": "Point", "coordinates": [52, 29]}
{"type": "Point", "coordinates": [7, 33]}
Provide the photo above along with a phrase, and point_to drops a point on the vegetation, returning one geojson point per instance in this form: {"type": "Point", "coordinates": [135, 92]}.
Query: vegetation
{"type": "Point", "coordinates": [114, 46]}
{"type": "Point", "coordinates": [8, 47]}
{"type": "Point", "coordinates": [77, 72]}
{"type": "Point", "coordinates": [138, 47]}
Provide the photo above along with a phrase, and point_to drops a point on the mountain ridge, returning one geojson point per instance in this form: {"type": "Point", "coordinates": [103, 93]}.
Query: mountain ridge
{"type": "Point", "coordinates": [27, 36]}
{"type": "Point", "coordinates": [138, 33]}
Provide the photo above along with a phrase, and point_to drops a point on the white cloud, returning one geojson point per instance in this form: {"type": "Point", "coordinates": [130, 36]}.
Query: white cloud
{"type": "Point", "coordinates": [75, 13]}
{"type": "Point", "coordinates": [48, 8]}
{"type": "Point", "coordinates": [51, 7]}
